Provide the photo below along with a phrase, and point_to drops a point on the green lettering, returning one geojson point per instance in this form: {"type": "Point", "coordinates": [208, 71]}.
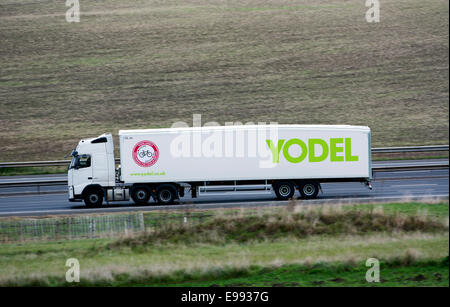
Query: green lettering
{"type": "Point", "coordinates": [348, 151]}
{"type": "Point", "coordinates": [302, 155]}
{"type": "Point", "coordinates": [312, 156]}
{"type": "Point", "coordinates": [275, 150]}
{"type": "Point", "coordinates": [334, 149]}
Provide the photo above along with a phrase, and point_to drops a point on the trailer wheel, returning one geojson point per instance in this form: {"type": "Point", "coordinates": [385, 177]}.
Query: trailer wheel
{"type": "Point", "coordinates": [166, 194]}
{"type": "Point", "coordinates": [309, 189]}
{"type": "Point", "coordinates": [140, 195]}
{"type": "Point", "coordinates": [93, 198]}
{"type": "Point", "coordinates": [284, 190]}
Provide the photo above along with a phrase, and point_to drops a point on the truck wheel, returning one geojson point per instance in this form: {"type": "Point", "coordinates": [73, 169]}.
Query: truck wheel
{"type": "Point", "coordinates": [284, 190]}
{"type": "Point", "coordinates": [93, 198]}
{"type": "Point", "coordinates": [309, 189]}
{"type": "Point", "coordinates": [140, 195]}
{"type": "Point", "coordinates": [166, 194]}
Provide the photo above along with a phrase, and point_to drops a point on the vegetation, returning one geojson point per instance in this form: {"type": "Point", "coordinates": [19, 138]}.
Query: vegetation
{"type": "Point", "coordinates": [394, 273]}
{"type": "Point", "coordinates": [291, 246]}
{"type": "Point", "coordinates": [33, 170]}
{"type": "Point", "coordinates": [273, 226]}
{"type": "Point", "coordinates": [149, 63]}
{"type": "Point", "coordinates": [252, 223]}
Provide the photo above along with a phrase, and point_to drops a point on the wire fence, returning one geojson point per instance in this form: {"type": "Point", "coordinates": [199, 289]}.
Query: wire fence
{"type": "Point", "coordinates": [102, 226]}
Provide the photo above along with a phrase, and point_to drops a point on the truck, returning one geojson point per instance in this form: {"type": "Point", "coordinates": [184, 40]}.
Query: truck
{"type": "Point", "coordinates": [164, 164]}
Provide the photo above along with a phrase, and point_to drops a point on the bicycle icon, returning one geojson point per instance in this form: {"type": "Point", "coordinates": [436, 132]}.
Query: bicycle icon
{"type": "Point", "coordinates": [145, 153]}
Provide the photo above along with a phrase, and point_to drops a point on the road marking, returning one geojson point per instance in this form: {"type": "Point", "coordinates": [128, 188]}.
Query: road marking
{"type": "Point", "coordinates": [413, 185]}
{"type": "Point", "coordinates": [410, 172]}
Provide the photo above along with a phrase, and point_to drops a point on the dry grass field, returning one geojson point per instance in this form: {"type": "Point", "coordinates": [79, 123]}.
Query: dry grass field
{"type": "Point", "coordinates": [149, 63]}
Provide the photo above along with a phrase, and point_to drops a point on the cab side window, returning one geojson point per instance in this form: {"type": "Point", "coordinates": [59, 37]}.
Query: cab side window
{"type": "Point", "coordinates": [84, 161]}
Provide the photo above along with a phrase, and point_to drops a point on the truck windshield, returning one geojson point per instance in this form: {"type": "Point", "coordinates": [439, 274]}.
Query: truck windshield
{"type": "Point", "coordinates": [72, 163]}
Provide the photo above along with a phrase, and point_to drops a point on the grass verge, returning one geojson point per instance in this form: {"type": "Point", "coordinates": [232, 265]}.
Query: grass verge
{"type": "Point", "coordinates": [292, 247]}
{"type": "Point", "coordinates": [17, 171]}
{"type": "Point", "coordinates": [311, 221]}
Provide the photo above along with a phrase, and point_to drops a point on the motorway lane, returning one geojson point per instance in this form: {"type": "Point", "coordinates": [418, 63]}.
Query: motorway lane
{"type": "Point", "coordinates": [63, 188]}
{"type": "Point", "coordinates": [387, 186]}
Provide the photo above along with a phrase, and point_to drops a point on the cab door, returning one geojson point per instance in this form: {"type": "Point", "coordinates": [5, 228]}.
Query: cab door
{"type": "Point", "coordinates": [100, 170]}
{"type": "Point", "coordinates": [82, 173]}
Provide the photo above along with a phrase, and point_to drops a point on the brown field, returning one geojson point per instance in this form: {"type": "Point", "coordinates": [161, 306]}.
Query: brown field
{"type": "Point", "coordinates": [144, 64]}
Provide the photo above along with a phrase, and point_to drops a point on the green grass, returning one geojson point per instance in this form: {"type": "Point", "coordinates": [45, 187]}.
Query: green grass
{"type": "Point", "coordinates": [251, 222]}
{"type": "Point", "coordinates": [277, 225]}
{"type": "Point", "coordinates": [328, 246]}
{"type": "Point", "coordinates": [33, 170]}
{"type": "Point", "coordinates": [412, 208]}
{"type": "Point", "coordinates": [392, 274]}
{"type": "Point", "coordinates": [44, 264]}
{"type": "Point", "coordinates": [148, 64]}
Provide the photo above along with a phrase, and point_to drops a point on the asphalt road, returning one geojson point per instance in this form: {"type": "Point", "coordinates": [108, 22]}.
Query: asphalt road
{"type": "Point", "coordinates": [387, 186]}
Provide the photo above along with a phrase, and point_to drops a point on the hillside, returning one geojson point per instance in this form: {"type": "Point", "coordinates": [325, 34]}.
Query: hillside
{"type": "Point", "coordinates": [144, 64]}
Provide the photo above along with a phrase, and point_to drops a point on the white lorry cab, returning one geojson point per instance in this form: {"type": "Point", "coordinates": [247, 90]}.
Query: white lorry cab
{"type": "Point", "coordinates": [163, 164]}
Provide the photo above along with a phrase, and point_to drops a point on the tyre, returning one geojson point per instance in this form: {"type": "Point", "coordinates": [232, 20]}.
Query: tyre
{"type": "Point", "coordinates": [284, 190]}
{"type": "Point", "coordinates": [166, 194]}
{"type": "Point", "coordinates": [309, 189]}
{"type": "Point", "coordinates": [93, 198]}
{"type": "Point", "coordinates": [141, 195]}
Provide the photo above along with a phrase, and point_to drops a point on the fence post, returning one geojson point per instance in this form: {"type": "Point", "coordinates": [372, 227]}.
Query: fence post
{"type": "Point", "coordinates": [92, 227]}
{"type": "Point", "coordinates": [35, 230]}
{"type": "Point", "coordinates": [141, 221]}
{"type": "Point", "coordinates": [56, 229]}
{"type": "Point", "coordinates": [125, 225]}
{"type": "Point", "coordinates": [21, 230]}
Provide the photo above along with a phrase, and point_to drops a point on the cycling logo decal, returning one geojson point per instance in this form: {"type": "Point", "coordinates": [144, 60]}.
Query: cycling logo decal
{"type": "Point", "coordinates": [145, 153]}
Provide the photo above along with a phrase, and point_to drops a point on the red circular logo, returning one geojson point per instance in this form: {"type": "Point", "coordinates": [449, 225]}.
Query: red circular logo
{"type": "Point", "coordinates": [145, 153]}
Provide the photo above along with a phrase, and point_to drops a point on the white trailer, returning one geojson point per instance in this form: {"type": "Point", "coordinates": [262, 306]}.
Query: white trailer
{"type": "Point", "coordinates": [163, 163]}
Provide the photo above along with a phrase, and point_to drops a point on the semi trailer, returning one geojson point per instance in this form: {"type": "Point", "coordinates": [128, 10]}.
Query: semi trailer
{"type": "Point", "coordinates": [164, 164]}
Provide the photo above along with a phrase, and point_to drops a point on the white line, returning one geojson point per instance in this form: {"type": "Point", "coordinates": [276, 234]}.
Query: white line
{"type": "Point", "coordinates": [409, 172]}
{"type": "Point", "coordinates": [413, 185]}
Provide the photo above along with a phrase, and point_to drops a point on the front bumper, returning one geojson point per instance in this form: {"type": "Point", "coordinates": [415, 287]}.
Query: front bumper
{"type": "Point", "coordinates": [74, 197]}
{"type": "Point", "coordinates": [71, 194]}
